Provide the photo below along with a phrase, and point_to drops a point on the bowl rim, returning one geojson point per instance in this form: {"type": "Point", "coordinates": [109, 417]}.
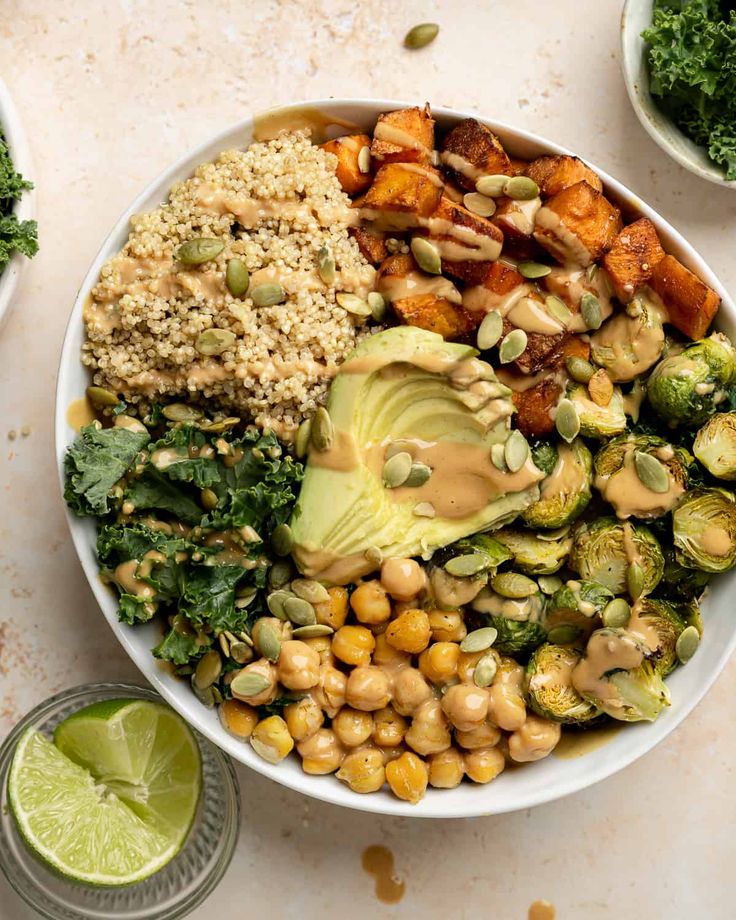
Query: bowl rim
{"type": "Point", "coordinates": [333, 792]}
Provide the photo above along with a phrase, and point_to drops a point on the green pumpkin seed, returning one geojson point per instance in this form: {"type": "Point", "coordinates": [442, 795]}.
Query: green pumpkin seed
{"type": "Point", "coordinates": [579, 369]}
{"type": "Point", "coordinates": [563, 634]}
{"type": "Point", "coordinates": [513, 585]}
{"type": "Point", "coordinates": [498, 456]}
{"type": "Point", "coordinates": [553, 536]}
{"type": "Point", "coordinates": [237, 277]}
{"type": "Point", "coordinates": [590, 309]}
{"type": "Point", "coordinates": [516, 451]}
{"type": "Point", "coordinates": [315, 631]}
{"type": "Point", "coordinates": [616, 614]}
{"type": "Point", "coordinates": [275, 603]}
{"type": "Point", "coordinates": [299, 611]}
{"type": "Point", "coordinates": [466, 565]}
{"type": "Point", "coordinates": [267, 641]}
{"type": "Point", "coordinates": [374, 555]}
{"type": "Point", "coordinates": [224, 644]}
{"type": "Point", "coordinates": [208, 670]}
{"type": "Point", "coordinates": [301, 440]}
{"type": "Point", "coordinates": [591, 271]}
{"type": "Point", "coordinates": [479, 204]}
{"type": "Point", "coordinates": [310, 590]}
{"type": "Point", "coordinates": [205, 696]}
{"type": "Point", "coordinates": [282, 540]}
{"type": "Point", "coordinates": [533, 269]}
{"type": "Point", "coordinates": [180, 412]}
{"type": "Point", "coordinates": [490, 330]}
{"type": "Point", "coordinates": [246, 638]}
{"type": "Point", "coordinates": [246, 598]}
{"type": "Point", "coordinates": [491, 186]}
{"type": "Point", "coordinates": [248, 684]}
{"type": "Point", "coordinates": [208, 499]}
{"type": "Point", "coordinates": [521, 188]}
{"type": "Point", "coordinates": [364, 159]}
{"type": "Point", "coordinates": [687, 644]}
{"type": "Point", "coordinates": [326, 265]}
{"type": "Point", "coordinates": [377, 306]}
{"type": "Point", "coordinates": [418, 475]}
{"type": "Point", "coordinates": [267, 295]}
{"type": "Point", "coordinates": [199, 251]}
{"type": "Point", "coordinates": [557, 309]}
{"type": "Point", "coordinates": [241, 652]}
{"type": "Point", "coordinates": [214, 341]}
{"type": "Point", "coordinates": [353, 304]}
{"type": "Point", "coordinates": [485, 671]}
{"type": "Point", "coordinates": [635, 580]}
{"type": "Point", "coordinates": [279, 574]}
{"type": "Point", "coordinates": [396, 470]}
{"type": "Point", "coordinates": [512, 346]}
{"type": "Point", "coordinates": [101, 398]}
{"type": "Point", "coordinates": [567, 421]}
{"type": "Point", "coordinates": [479, 639]}
{"type": "Point", "coordinates": [548, 584]}
{"type": "Point", "coordinates": [651, 472]}
{"type": "Point", "coordinates": [323, 432]}
{"type": "Point", "coordinates": [223, 424]}
{"type": "Point", "coordinates": [427, 255]}
{"type": "Point", "coordinates": [421, 35]}
{"type": "Point", "coordinates": [424, 509]}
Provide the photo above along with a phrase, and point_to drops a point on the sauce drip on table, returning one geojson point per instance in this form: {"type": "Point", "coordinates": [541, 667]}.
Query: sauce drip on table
{"type": "Point", "coordinates": [378, 861]}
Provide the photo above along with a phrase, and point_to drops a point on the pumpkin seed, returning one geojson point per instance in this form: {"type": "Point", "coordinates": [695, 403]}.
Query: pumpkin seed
{"type": "Point", "coordinates": [208, 499]}
{"type": "Point", "coordinates": [579, 369]}
{"type": "Point", "coordinates": [489, 331]}
{"type": "Point", "coordinates": [590, 309]}
{"type": "Point", "coordinates": [299, 611]}
{"type": "Point", "coordinates": [237, 277]}
{"type": "Point", "coordinates": [591, 271]}
{"type": "Point", "coordinates": [101, 398]}
{"type": "Point", "coordinates": [208, 670]}
{"type": "Point", "coordinates": [466, 565]}
{"type": "Point", "coordinates": [651, 472]}
{"type": "Point", "coordinates": [198, 251]}
{"type": "Point", "coordinates": [512, 346]}
{"type": "Point", "coordinates": [687, 644]}
{"type": "Point", "coordinates": [301, 441]}
{"type": "Point", "coordinates": [424, 509]}
{"type": "Point", "coordinates": [421, 35]}
{"type": "Point", "coordinates": [267, 641]}
{"type": "Point", "coordinates": [247, 599]}
{"type": "Point", "coordinates": [180, 412]}
{"type": "Point", "coordinates": [282, 540]}
{"type": "Point", "coordinates": [224, 644]}
{"type": "Point", "coordinates": [548, 584]}
{"type": "Point", "coordinates": [427, 255]}
{"type": "Point", "coordinates": [567, 421]}
{"type": "Point", "coordinates": [491, 186]}
{"type": "Point", "coordinates": [479, 639]}
{"type": "Point", "coordinates": [616, 614]}
{"type": "Point", "coordinates": [353, 304]}
{"type": "Point", "coordinates": [315, 631]}
{"type": "Point", "coordinates": [552, 536]}
{"type": "Point", "coordinates": [323, 431]}
{"type": "Point", "coordinates": [279, 574]}
{"type": "Point", "coordinates": [310, 590]}
{"type": "Point", "coordinates": [533, 269]}
{"type": "Point", "coordinates": [600, 387]}
{"type": "Point", "coordinates": [364, 159]}
{"type": "Point", "coordinates": [396, 470]}
{"type": "Point", "coordinates": [374, 555]}
{"type": "Point", "coordinates": [563, 634]}
{"type": "Point", "coordinates": [275, 603]}
{"type": "Point", "coordinates": [326, 265]}
{"type": "Point", "coordinates": [558, 309]}
{"type": "Point", "coordinates": [214, 341]}
{"type": "Point", "coordinates": [246, 638]}
{"type": "Point", "coordinates": [267, 295]}
{"type": "Point", "coordinates": [498, 457]}
{"type": "Point", "coordinates": [248, 684]}
{"type": "Point", "coordinates": [241, 652]}
{"type": "Point", "coordinates": [516, 451]}
{"type": "Point", "coordinates": [479, 204]}
{"type": "Point", "coordinates": [418, 475]}
{"type": "Point", "coordinates": [513, 585]}
{"type": "Point", "coordinates": [635, 580]}
{"type": "Point", "coordinates": [377, 305]}
{"type": "Point", "coordinates": [485, 671]}
{"type": "Point", "coordinates": [521, 188]}
{"type": "Point", "coordinates": [206, 696]}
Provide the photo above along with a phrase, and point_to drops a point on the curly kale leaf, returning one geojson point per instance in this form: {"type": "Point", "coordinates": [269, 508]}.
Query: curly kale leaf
{"type": "Point", "coordinates": [14, 234]}
{"type": "Point", "coordinates": [97, 460]}
{"type": "Point", "coordinates": [153, 490]}
{"type": "Point", "coordinates": [179, 647]}
{"type": "Point", "coordinates": [209, 596]}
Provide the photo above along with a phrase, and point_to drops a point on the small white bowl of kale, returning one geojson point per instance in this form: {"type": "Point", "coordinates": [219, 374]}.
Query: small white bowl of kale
{"type": "Point", "coordinates": [679, 63]}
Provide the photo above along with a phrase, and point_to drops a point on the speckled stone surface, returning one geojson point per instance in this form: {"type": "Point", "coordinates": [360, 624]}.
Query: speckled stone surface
{"type": "Point", "coordinates": [111, 93]}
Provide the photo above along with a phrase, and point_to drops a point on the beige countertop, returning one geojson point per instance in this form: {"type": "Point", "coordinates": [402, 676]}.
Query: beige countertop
{"type": "Point", "coordinates": [111, 93]}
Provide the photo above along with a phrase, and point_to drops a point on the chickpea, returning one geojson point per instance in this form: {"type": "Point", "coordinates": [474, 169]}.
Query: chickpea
{"type": "Point", "coordinates": [352, 726]}
{"type": "Point", "coordinates": [446, 769]}
{"type": "Point", "coordinates": [264, 668]}
{"type": "Point", "coordinates": [238, 718]}
{"type": "Point", "coordinates": [447, 625]}
{"type": "Point", "coordinates": [402, 578]}
{"type": "Point", "coordinates": [410, 691]}
{"type": "Point", "coordinates": [409, 632]}
{"type": "Point", "coordinates": [333, 612]}
{"type": "Point", "coordinates": [438, 663]}
{"type": "Point", "coordinates": [535, 739]}
{"type": "Point", "coordinates": [323, 647]}
{"type": "Point", "coordinates": [429, 732]}
{"type": "Point", "coordinates": [363, 770]}
{"type": "Point", "coordinates": [466, 663]}
{"type": "Point", "coordinates": [482, 736]}
{"type": "Point", "coordinates": [298, 665]}
{"type": "Point", "coordinates": [329, 693]}
{"type": "Point", "coordinates": [506, 706]}
{"type": "Point", "coordinates": [303, 718]}
{"type": "Point", "coordinates": [368, 688]}
{"type": "Point", "coordinates": [353, 644]}
{"type": "Point", "coordinates": [408, 776]}
{"type": "Point", "coordinates": [271, 739]}
{"type": "Point", "coordinates": [484, 764]}
{"type": "Point", "coordinates": [321, 753]}
{"type": "Point", "coordinates": [466, 706]}
{"type": "Point", "coordinates": [392, 753]}
{"type": "Point", "coordinates": [370, 603]}
{"type": "Point", "coordinates": [386, 656]}
{"type": "Point", "coordinates": [389, 727]}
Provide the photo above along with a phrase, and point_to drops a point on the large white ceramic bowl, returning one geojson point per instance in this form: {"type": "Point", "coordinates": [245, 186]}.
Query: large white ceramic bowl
{"type": "Point", "coordinates": [515, 789]}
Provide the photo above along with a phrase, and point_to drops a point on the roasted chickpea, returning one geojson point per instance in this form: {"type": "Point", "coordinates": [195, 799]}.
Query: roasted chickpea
{"type": "Point", "coordinates": [446, 769]}
{"type": "Point", "coordinates": [402, 578]}
{"type": "Point", "coordinates": [271, 740]}
{"type": "Point", "coordinates": [484, 764]}
{"type": "Point", "coordinates": [298, 665]}
{"type": "Point", "coordinates": [323, 647]}
{"type": "Point", "coordinates": [506, 706]}
{"type": "Point", "coordinates": [392, 753]}
{"type": "Point", "coordinates": [329, 693]}
{"type": "Point", "coordinates": [368, 688]}
{"type": "Point", "coordinates": [353, 644]}
{"type": "Point", "coordinates": [438, 663]}
{"type": "Point", "coordinates": [386, 656]}
{"type": "Point", "coordinates": [429, 732]}
{"type": "Point", "coordinates": [409, 632]}
{"type": "Point", "coordinates": [407, 776]}
{"type": "Point", "coordinates": [264, 668]}
{"type": "Point", "coordinates": [363, 770]}
{"type": "Point", "coordinates": [466, 663]}
{"type": "Point", "coordinates": [303, 718]}
{"type": "Point", "coordinates": [482, 736]}
{"type": "Point", "coordinates": [238, 718]}
{"type": "Point", "coordinates": [466, 706]}
{"type": "Point", "coordinates": [370, 603]}
{"type": "Point", "coordinates": [321, 753]}
{"type": "Point", "coordinates": [410, 691]}
{"type": "Point", "coordinates": [389, 727]}
{"type": "Point", "coordinates": [447, 625]}
{"type": "Point", "coordinates": [535, 739]}
{"type": "Point", "coordinates": [333, 612]}
{"type": "Point", "coordinates": [351, 726]}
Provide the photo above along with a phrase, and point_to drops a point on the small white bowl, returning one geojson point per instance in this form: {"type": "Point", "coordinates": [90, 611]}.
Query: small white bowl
{"type": "Point", "coordinates": [637, 16]}
{"type": "Point", "coordinates": [26, 207]}
{"type": "Point", "coordinates": [549, 779]}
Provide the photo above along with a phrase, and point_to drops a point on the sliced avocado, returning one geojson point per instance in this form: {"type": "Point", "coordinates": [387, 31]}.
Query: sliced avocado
{"type": "Point", "coordinates": [407, 390]}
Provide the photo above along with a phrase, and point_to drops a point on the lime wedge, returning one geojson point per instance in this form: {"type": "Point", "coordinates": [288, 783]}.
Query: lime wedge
{"type": "Point", "coordinates": [112, 800]}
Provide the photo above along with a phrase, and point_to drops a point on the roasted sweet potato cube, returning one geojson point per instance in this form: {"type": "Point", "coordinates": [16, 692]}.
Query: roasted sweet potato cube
{"type": "Point", "coordinates": [465, 241]}
{"type": "Point", "coordinates": [371, 243]}
{"type": "Point", "coordinates": [472, 150]}
{"type": "Point", "coordinates": [518, 166]}
{"type": "Point", "coordinates": [515, 219]}
{"type": "Point", "coordinates": [534, 408]}
{"type": "Point", "coordinates": [572, 346]}
{"type": "Point", "coordinates": [395, 189]}
{"type": "Point", "coordinates": [577, 224]}
{"type": "Point", "coordinates": [555, 173]}
{"type": "Point", "coordinates": [436, 314]}
{"type": "Point", "coordinates": [632, 258]}
{"type": "Point", "coordinates": [404, 136]}
{"type": "Point", "coordinates": [690, 303]}
{"type": "Point", "coordinates": [492, 287]}
{"type": "Point", "coordinates": [539, 352]}
{"type": "Point", "coordinates": [347, 150]}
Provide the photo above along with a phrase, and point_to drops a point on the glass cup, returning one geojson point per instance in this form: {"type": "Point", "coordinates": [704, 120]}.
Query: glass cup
{"type": "Point", "coordinates": [175, 890]}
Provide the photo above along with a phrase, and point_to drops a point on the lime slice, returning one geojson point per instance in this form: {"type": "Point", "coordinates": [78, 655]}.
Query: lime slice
{"type": "Point", "coordinates": [112, 801]}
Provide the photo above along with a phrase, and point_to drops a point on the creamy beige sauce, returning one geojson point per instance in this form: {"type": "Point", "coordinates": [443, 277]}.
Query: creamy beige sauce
{"type": "Point", "coordinates": [574, 744]}
{"type": "Point", "coordinates": [559, 238]}
{"type": "Point", "coordinates": [125, 576]}
{"type": "Point", "coordinates": [100, 317]}
{"type": "Point", "coordinates": [391, 134]}
{"type": "Point", "coordinates": [269, 124]}
{"type": "Point", "coordinates": [520, 215]}
{"type": "Point", "coordinates": [378, 861]}
{"type": "Point", "coordinates": [343, 455]}
{"type": "Point", "coordinates": [641, 626]}
{"type": "Point", "coordinates": [478, 299]}
{"type": "Point", "coordinates": [461, 165]}
{"type": "Point", "coordinates": [458, 244]}
{"type": "Point", "coordinates": [524, 609]}
{"type": "Point", "coordinates": [530, 314]}
{"type": "Point", "coordinates": [541, 910]}
{"type": "Point", "coordinates": [416, 284]}
{"type": "Point", "coordinates": [606, 652]}
{"type": "Point", "coordinates": [565, 477]}
{"type": "Point", "coordinates": [434, 177]}
{"type": "Point", "coordinates": [630, 497]}
{"type": "Point", "coordinates": [628, 346]}
{"type": "Point", "coordinates": [79, 414]}
{"type": "Point", "coordinates": [715, 541]}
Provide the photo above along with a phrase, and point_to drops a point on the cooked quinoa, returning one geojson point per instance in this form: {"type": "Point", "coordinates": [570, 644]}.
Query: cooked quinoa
{"type": "Point", "coordinates": [274, 205]}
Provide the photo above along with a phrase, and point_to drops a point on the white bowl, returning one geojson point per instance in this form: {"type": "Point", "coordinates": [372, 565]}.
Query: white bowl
{"type": "Point", "coordinates": [25, 208]}
{"type": "Point", "coordinates": [637, 16]}
{"type": "Point", "coordinates": [516, 789]}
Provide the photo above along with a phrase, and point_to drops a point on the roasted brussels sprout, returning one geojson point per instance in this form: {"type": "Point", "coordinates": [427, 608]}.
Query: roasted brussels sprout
{"type": "Point", "coordinates": [618, 674]}
{"type": "Point", "coordinates": [704, 530]}
{"type": "Point", "coordinates": [678, 582]}
{"type": "Point", "coordinates": [658, 624]}
{"type": "Point", "coordinates": [572, 611]}
{"type": "Point", "coordinates": [566, 491]}
{"type": "Point", "coordinates": [516, 637]}
{"type": "Point", "coordinates": [549, 688]}
{"type": "Point", "coordinates": [641, 475]}
{"type": "Point", "coordinates": [715, 445]}
{"type": "Point", "coordinates": [494, 552]}
{"type": "Point", "coordinates": [629, 343]}
{"type": "Point", "coordinates": [686, 388]}
{"type": "Point", "coordinates": [598, 421]}
{"type": "Point", "coordinates": [610, 552]}
{"type": "Point", "coordinates": [534, 554]}
{"type": "Point", "coordinates": [518, 621]}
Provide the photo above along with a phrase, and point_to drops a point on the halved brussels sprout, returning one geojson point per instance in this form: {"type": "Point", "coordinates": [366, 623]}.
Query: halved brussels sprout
{"type": "Point", "coordinates": [575, 607]}
{"type": "Point", "coordinates": [629, 343]}
{"type": "Point", "coordinates": [629, 483]}
{"type": "Point", "coordinates": [517, 638]}
{"type": "Point", "coordinates": [658, 624]}
{"type": "Point", "coordinates": [549, 688]}
{"type": "Point", "coordinates": [704, 530]}
{"type": "Point", "coordinates": [679, 582]}
{"type": "Point", "coordinates": [494, 552]}
{"type": "Point", "coordinates": [618, 674]}
{"type": "Point", "coordinates": [607, 550]}
{"type": "Point", "coordinates": [532, 554]}
{"type": "Point", "coordinates": [598, 421]}
{"type": "Point", "coordinates": [518, 622]}
{"type": "Point", "coordinates": [715, 445]}
{"type": "Point", "coordinates": [566, 491]}
{"type": "Point", "coordinates": [686, 388]}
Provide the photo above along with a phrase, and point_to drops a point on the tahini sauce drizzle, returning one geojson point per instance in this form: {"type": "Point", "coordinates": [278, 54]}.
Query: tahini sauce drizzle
{"type": "Point", "coordinates": [541, 910]}
{"type": "Point", "coordinates": [629, 496]}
